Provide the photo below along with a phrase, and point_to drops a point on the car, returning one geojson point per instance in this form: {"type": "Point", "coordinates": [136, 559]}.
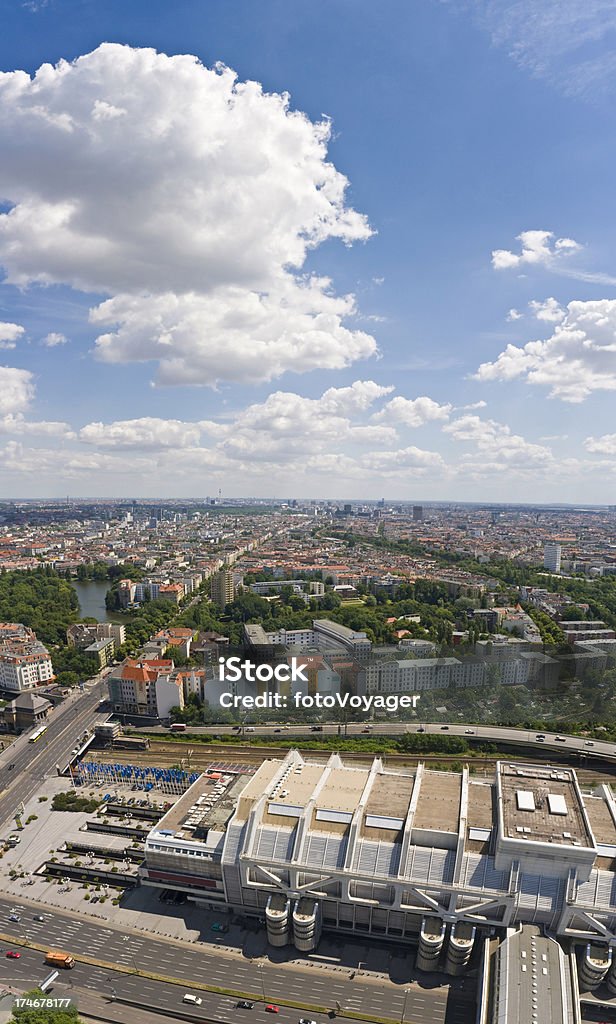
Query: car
{"type": "Point", "coordinates": [540, 736]}
{"type": "Point", "coordinates": [218, 927]}
{"type": "Point", "coordinates": [12, 954]}
{"type": "Point", "coordinates": [560, 739]}
{"type": "Point", "coordinates": [38, 917]}
{"type": "Point", "coordinates": [305, 1020]}
{"type": "Point", "coordinates": [588, 743]}
{"type": "Point", "coordinates": [316, 728]}
{"type": "Point", "coordinates": [95, 899]}
{"type": "Point", "coordinates": [469, 732]}
{"type": "Point", "coordinates": [277, 730]}
{"type": "Point", "coordinates": [14, 917]}
{"type": "Point", "coordinates": [11, 766]}
{"type": "Point", "coordinates": [189, 998]}
{"type": "Point", "coordinates": [367, 728]}
{"type": "Point", "coordinates": [244, 1004]}
{"type": "Point", "coordinates": [421, 729]}
{"type": "Point", "coordinates": [444, 727]}
{"type": "Point", "coordinates": [272, 1008]}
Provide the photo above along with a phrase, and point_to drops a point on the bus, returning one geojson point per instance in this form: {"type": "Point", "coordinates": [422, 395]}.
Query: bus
{"type": "Point", "coordinates": [178, 727]}
{"type": "Point", "coordinates": [36, 735]}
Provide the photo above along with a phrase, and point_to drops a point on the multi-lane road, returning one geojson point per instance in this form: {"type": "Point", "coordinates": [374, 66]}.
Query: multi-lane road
{"type": "Point", "coordinates": [24, 765]}
{"type": "Point", "coordinates": [599, 749]}
{"type": "Point", "coordinates": [309, 985]}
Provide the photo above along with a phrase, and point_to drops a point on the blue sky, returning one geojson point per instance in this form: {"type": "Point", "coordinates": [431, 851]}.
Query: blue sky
{"type": "Point", "coordinates": [206, 286]}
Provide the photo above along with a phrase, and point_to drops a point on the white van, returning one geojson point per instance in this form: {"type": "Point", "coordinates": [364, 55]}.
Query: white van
{"type": "Point", "coordinates": [195, 1000]}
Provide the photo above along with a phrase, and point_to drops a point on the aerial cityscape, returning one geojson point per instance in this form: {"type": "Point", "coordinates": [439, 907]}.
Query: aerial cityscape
{"type": "Point", "coordinates": [371, 740]}
{"type": "Point", "coordinates": [307, 512]}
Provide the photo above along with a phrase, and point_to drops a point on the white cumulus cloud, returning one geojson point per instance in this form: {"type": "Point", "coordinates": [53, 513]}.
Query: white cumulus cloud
{"type": "Point", "coordinates": [16, 390]}
{"type": "Point", "coordinates": [17, 424]}
{"type": "Point", "coordinates": [497, 442]}
{"type": "Point", "coordinates": [53, 339]}
{"type": "Point", "coordinates": [578, 359]}
{"type": "Point", "coordinates": [187, 198]}
{"type": "Point", "coordinates": [414, 412]}
{"type": "Point", "coordinates": [10, 334]}
{"type": "Point", "coordinates": [148, 432]}
{"type": "Point", "coordinates": [536, 247]}
{"type": "Point", "coordinates": [286, 424]}
{"type": "Point", "coordinates": [549, 311]}
{"type": "Point", "coordinates": [604, 445]}
{"type": "Point", "coordinates": [278, 428]}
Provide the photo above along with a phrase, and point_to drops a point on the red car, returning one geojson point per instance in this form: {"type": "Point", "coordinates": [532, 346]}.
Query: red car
{"type": "Point", "coordinates": [270, 1008]}
{"type": "Point", "coordinates": [12, 955]}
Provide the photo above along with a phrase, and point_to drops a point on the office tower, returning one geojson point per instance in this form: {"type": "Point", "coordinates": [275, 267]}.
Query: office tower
{"type": "Point", "coordinates": [417, 513]}
{"type": "Point", "coordinates": [551, 557]}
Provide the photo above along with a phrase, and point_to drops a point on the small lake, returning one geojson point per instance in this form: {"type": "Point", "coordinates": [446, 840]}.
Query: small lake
{"type": "Point", "coordinates": [91, 596]}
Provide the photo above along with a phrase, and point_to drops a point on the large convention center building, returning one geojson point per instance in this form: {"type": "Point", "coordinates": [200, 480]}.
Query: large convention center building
{"type": "Point", "coordinates": [436, 859]}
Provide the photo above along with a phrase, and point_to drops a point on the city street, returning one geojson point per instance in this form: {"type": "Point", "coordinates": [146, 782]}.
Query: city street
{"type": "Point", "coordinates": [312, 984]}
{"type": "Point", "coordinates": [32, 761]}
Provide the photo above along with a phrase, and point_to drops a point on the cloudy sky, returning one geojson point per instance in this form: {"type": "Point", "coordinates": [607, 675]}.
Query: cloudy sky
{"type": "Point", "coordinates": [329, 249]}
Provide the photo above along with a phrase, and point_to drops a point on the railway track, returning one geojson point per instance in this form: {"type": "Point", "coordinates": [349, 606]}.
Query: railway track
{"type": "Point", "coordinates": [200, 756]}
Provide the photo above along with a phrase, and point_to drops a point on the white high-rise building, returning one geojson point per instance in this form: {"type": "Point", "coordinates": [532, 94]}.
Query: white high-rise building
{"type": "Point", "coordinates": [551, 557]}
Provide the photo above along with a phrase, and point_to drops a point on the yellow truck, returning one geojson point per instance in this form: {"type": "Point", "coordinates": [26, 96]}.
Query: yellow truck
{"type": "Point", "coordinates": [56, 959]}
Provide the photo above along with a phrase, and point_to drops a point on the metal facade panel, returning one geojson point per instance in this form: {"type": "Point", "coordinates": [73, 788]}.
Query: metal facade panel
{"type": "Point", "coordinates": [325, 851]}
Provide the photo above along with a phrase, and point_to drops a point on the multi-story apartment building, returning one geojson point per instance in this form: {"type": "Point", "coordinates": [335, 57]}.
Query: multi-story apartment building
{"type": "Point", "coordinates": [81, 635]}
{"type": "Point", "coordinates": [134, 690]}
{"type": "Point", "coordinates": [223, 588]}
{"type": "Point", "coordinates": [552, 556]}
{"type": "Point", "coordinates": [587, 630]}
{"type": "Point", "coordinates": [24, 661]}
{"type": "Point", "coordinates": [412, 676]}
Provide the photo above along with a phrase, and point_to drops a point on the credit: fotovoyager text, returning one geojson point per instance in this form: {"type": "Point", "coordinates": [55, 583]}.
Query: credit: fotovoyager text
{"type": "Point", "coordinates": [306, 701]}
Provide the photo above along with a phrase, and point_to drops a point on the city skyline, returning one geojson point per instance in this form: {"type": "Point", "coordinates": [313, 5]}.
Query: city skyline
{"type": "Point", "coordinates": [241, 252]}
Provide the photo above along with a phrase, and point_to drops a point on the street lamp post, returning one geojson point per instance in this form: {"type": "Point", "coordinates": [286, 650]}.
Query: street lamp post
{"type": "Point", "coordinates": [406, 993]}
{"type": "Point", "coordinates": [262, 982]}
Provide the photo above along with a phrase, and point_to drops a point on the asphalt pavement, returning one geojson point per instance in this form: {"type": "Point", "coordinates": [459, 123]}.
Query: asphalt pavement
{"type": "Point", "coordinates": [562, 742]}
{"type": "Point", "coordinates": [33, 761]}
{"type": "Point", "coordinates": [311, 985]}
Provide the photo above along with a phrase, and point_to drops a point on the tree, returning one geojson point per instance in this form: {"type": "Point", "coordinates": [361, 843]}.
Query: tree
{"type": "Point", "coordinates": [42, 1015]}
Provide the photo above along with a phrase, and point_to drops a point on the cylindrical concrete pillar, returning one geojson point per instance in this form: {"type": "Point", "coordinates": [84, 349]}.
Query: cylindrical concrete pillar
{"type": "Point", "coordinates": [431, 939]}
{"type": "Point", "coordinates": [277, 920]}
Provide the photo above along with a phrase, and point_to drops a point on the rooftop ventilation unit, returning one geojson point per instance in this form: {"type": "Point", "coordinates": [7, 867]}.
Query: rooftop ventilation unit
{"type": "Point", "coordinates": [525, 800]}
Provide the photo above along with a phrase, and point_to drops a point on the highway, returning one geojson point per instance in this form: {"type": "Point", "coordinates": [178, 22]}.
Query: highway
{"type": "Point", "coordinates": [33, 761]}
{"type": "Point", "coordinates": [194, 964]}
{"type": "Point", "coordinates": [488, 733]}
